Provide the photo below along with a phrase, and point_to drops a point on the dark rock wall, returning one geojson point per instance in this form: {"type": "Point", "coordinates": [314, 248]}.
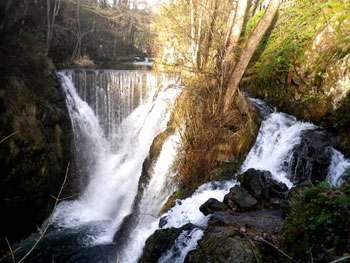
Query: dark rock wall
{"type": "Point", "coordinates": [33, 161]}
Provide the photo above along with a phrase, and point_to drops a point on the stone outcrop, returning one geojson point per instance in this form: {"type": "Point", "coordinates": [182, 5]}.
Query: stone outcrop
{"type": "Point", "coordinates": [311, 157]}
{"type": "Point", "coordinates": [160, 242]}
{"type": "Point", "coordinates": [238, 238]}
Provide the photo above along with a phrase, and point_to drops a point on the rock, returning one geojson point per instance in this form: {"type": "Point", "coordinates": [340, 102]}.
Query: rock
{"type": "Point", "coordinates": [34, 160]}
{"type": "Point", "coordinates": [233, 238]}
{"type": "Point", "coordinates": [311, 157]}
{"type": "Point", "coordinates": [160, 242]}
{"type": "Point", "coordinates": [230, 199]}
{"type": "Point", "coordinates": [222, 244]}
{"type": "Point", "coordinates": [212, 205]}
{"type": "Point", "coordinates": [262, 221]}
{"type": "Point", "coordinates": [245, 200]}
{"type": "Point", "coordinates": [261, 185]}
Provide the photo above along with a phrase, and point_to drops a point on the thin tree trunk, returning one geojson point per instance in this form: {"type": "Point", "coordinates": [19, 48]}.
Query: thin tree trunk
{"type": "Point", "coordinates": [7, 8]}
{"type": "Point", "coordinates": [51, 22]}
{"type": "Point", "coordinates": [196, 58]}
{"type": "Point", "coordinates": [247, 53]}
{"type": "Point", "coordinates": [234, 36]}
{"type": "Point", "coordinates": [209, 35]}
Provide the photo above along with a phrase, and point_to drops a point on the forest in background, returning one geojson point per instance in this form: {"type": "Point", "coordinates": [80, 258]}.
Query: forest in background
{"type": "Point", "coordinates": [70, 30]}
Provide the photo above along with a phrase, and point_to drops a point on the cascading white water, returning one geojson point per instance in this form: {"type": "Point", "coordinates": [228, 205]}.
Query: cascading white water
{"type": "Point", "coordinates": [156, 193]}
{"type": "Point", "coordinates": [187, 211]}
{"type": "Point", "coordinates": [278, 134]}
{"type": "Point", "coordinates": [119, 148]}
{"type": "Point", "coordinates": [337, 168]}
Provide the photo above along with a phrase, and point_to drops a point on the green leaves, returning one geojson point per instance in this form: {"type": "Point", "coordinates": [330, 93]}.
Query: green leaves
{"type": "Point", "coordinates": [318, 222]}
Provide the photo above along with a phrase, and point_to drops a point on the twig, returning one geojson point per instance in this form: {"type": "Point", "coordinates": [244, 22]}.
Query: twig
{"type": "Point", "coordinates": [65, 198]}
{"type": "Point", "coordinates": [340, 259]}
{"type": "Point", "coordinates": [11, 251]}
{"type": "Point", "coordinates": [7, 137]}
{"type": "Point", "coordinates": [279, 250]}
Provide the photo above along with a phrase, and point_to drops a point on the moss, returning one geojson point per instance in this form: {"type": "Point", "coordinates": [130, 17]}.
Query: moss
{"type": "Point", "coordinates": [292, 67]}
{"type": "Point", "coordinates": [318, 225]}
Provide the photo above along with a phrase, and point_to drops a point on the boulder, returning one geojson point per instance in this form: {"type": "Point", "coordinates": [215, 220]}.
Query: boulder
{"type": "Point", "coordinates": [230, 199]}
{"type": "Point", "coordinates": [261, 185]}
{"type": "Point", "coordinates": [311, 157]}
{"type": "Point", "coordinates": [233, 237]}
{"type": "Point", "coordinates": [212, 205]}
{"type": "Point", "coordinates": [160, 242]}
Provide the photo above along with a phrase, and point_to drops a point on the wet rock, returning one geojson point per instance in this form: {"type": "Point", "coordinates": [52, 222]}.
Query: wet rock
{"type": "Point", "coordinates": [212, 205]}
{"type": "Point", "coordinates": [160, 242]}
{"type": "Point", "coordinates": [222, 244]}
{"type": "Point", "coordinates": [235, 237]}
{"type": "Point", "coordinates": [245, 200]}
{"type": "Point", "coordinates": [230, 199]}
{"type": "Point", "coordinates": [311, 157]}
{"type": "Point", "coordinates": [262, 221]}
{"type": "Point", "coordinates": [261, 185]}
{"type": "Point", "coordinates": [238, 198]}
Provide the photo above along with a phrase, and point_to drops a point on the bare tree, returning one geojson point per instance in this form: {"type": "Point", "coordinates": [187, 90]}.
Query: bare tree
{"type": "Point", "coordinates": [235, 74]}
{"type": "Point", "coordinates": [51, 18]}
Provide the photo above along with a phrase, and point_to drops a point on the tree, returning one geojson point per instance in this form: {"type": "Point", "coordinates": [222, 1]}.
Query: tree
{"type": "Point", "coordinates": [234, 74]}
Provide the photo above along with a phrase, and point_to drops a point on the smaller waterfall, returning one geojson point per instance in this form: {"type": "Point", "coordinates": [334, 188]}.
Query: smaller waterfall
{"type": "Point", "coordinates": [187, 211]}
{"type": "Point", "coordinates": [186, 242]}
{"type": "Point", "coordinates": [338, 167]}
{"type": "Point", "coordinates": [278, 134]}
{"type": "Point", "coordinates": [273, 149]}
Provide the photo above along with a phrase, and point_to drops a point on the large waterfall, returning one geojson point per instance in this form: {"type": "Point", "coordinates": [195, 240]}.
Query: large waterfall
{"type": "Point", "coordinates": [115, 117]}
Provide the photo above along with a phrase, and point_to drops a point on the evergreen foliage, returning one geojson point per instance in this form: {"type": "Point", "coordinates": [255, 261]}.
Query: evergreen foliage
{"type": "Point", "coordinates": [318, 226]}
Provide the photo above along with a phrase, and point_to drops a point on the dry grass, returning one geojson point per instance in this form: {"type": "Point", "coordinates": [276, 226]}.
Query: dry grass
{"type": "Point", "coordinates": [208, 141]}
{"type": "Point", "coordinates": [83, 62]}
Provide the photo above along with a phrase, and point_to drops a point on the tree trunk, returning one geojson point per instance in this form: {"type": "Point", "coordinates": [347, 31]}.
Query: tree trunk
{"type": "Point", "coordinates": [209, 35]}
{"type": "Point", "coordinates": [234, 35]}
{"type": "Point", "coordinates": [7, 8]}
{"type": "Point", "coordinates": [241, 65]}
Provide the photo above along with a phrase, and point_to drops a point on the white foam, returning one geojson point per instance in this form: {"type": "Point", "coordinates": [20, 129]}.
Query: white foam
{"type": "Point", "coordinates": [278, 134]}
{"type": "Point", "coordinates": [156, 193]}
{"type": "Point", "coordinates": [337, 168]}
{"type": "Point", "coordinates": [187, 210]}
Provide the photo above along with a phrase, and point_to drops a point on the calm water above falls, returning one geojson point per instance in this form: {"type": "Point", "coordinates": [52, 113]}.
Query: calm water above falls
{"type": "Point", "coordinates": [115, 117]}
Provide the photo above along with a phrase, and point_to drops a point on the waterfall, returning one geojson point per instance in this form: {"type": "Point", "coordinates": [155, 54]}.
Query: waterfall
{"type": "Point", "coordinates": [278, 134]}
{"type": "Point", "coordinates": [273, 150]}
{"type": "Point", "coordinates": [337, 170]}
{"type": "Point", "coordinates": [159, 188]}
{"type": "Point", "coordinates": [115, 117]}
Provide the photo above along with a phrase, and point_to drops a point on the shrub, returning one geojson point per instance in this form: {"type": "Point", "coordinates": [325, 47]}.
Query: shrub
{"type": "Point", "coordinates": [318, 226]}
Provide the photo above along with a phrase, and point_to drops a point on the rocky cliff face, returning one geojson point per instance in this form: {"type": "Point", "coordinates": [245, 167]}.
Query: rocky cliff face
{"type": "Point", "coordinates": [34, 159]}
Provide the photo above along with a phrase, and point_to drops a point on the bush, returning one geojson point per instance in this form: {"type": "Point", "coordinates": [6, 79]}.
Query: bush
{"type": "Point", "coordinates": [318, 226]}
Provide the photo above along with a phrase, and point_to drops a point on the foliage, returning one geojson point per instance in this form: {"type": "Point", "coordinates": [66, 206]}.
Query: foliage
{"type": "Point", "coordinates": [292, 69]}
{"type": "Point", "coordinates": [318, 226]}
